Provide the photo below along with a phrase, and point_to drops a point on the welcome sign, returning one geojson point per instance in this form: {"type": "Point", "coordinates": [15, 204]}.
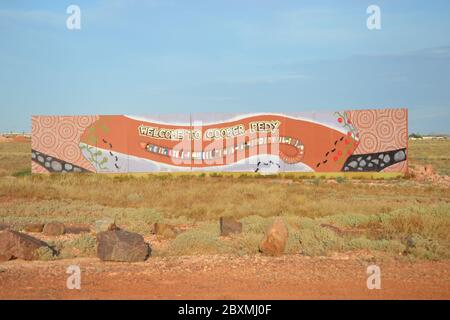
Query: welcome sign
{"type": "Point", "coordinates": [348, 140]}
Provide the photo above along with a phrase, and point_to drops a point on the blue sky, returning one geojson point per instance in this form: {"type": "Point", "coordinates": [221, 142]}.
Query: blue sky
{"type": "Point", "coordinates": [176, 56]}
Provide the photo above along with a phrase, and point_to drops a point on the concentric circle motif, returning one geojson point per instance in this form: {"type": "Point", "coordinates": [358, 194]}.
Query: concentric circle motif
{"type": "Point", "coordinates": [365, 119]}
{"type": "Point", "coordinates": [67, 130]}
{"type": "Point", "coordinates": [368, 142]}
{"type": "Point", "coordinates": [398, 115]}
{"type": "Point", "coordinates": [85, 121]}
{"type": "Point", "coordinates": [48, 140]}
{"type": "Point", "coordinates": [71, 152]}
{"type": "Point", "coordinates": [385, 129]}
{"type": "Point", "coordinates": [401, 137]}
{"type": "Point", "coordinates": [48, 121]}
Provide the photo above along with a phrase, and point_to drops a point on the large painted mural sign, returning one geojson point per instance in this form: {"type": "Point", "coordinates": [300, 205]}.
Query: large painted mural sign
{"type": "Point", "coordinates": [348, 140]}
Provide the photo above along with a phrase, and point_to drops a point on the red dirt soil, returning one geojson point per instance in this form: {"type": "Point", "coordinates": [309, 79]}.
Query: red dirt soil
{"type": "Point", "coordinates": [223, 277]}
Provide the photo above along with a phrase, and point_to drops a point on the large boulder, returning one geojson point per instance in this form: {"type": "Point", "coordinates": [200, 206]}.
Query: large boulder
{"type": "Point", "coordinates": [18, 245]}
{"type": "Point", "coordinates": [54, 229]}
{"type": "Point", "coordinates": [121, 245]}
{"type": "Point", "coordinates": [164, 230]}
{"type": "Point", "coordinates": [229, 226]}
{"type": "Point", "coordinates": [105, 224]}
{"type": "Point", "coordinates": [275, 239]}
{"type": "Point", "coordinates": [34, 227]}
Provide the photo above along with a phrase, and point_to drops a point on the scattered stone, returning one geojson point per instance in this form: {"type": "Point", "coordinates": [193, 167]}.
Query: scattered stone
{"type": "Point", "coordinates": [106, 224]}
{"type": "Point", "coordinates": [34, 227]}
{"type": "Point", "coordinates": [362, 163]}
{"type": "Point", "coordinates": [387, 159]}
{"type": "Point", "coordinates": [229, 226]}
{"type": "Point", "coordinates": [275, 240]}
{"type": "Point", "coordinates": [16, 245]}
{"type": "Point", "coordinates": [56, 166]}
{"type": "Point", "coordinates": [164, 230]}
{"type": "Point", "coordinates": [399, 156]}
{"type": "Point", "coordinates": [121, 245]}
{"type": "Point", "coordinates": [54, 229]}
{"type": "Point", "coordinates": [353, 164]}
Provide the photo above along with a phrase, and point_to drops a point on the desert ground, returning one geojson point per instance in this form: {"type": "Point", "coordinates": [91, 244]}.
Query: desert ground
{"type": "Point", "coordinates": [338, 226]}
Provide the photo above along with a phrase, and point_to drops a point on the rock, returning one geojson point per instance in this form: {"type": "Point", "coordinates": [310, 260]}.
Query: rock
{"type": "Point", "coordinates": [121, 245]}
{"type": "Point", "coordinates": [18, 245]}
{"type": "Point", "coordinates": [229, 226]}
{"type": "Point", "coordinates": [163, 229]}
{"type": "Point", "coordinates": [54, 229]}
{"type": "Point", "coordinates": [106, 224]}
{"type": "Point", "coordinates": [34, 227]}
{"type": "Point", "coordinates": [78, 228]}
{"type": "Point", "coordinates": [275, 240]}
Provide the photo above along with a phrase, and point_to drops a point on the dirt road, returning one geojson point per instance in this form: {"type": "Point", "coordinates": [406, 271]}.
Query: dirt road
{"type": "Point", "coordinates": [223, 277]}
